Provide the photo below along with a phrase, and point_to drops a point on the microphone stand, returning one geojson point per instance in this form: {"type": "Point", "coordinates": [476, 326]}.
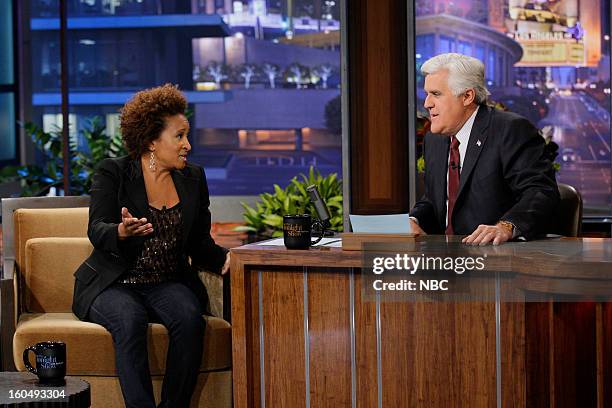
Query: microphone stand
{"type": "Point", "coordinates": [325, 228]}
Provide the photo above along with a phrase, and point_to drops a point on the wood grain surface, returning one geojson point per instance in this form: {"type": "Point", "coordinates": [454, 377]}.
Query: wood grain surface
{"type": "Point", "coordinates": [417, 353]}
{"type": "Point", "coordinates": [329, 338]}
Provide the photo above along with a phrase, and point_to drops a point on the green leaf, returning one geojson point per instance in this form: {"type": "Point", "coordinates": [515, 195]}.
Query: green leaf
{"type": "Point", "coordinates": [273, 220]}
{"type": "Point", "coordinates": [245, 228]}
{"type": "Point", "coordinates": [279, 191]}
{"type": "Point", "coordinates": [266, 218]}
{"type": "Point", "coordinates": [421, 164]}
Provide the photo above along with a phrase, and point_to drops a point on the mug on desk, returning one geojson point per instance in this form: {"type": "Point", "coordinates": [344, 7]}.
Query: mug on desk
{"type": "Point", "coordinates": [297, 231]}
{"type": "Point", "coordinates": [50, 361]}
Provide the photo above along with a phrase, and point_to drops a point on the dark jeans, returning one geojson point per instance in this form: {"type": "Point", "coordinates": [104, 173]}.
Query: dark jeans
{"type": "Point", "coordinates": [125, 312]}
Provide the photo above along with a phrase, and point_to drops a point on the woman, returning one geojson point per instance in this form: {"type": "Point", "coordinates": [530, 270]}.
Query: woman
{"type": "Point", "coordinates": [148, 214]}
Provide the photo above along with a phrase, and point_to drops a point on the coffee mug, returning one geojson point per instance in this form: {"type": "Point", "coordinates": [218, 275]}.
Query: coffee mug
{"type": "Point", "coordinates": [297, 231]}
{"type": "Point", "coordinates": [50, 361]}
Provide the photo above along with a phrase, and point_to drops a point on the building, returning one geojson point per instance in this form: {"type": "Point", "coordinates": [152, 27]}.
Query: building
{"type": "Point", "coordinates": [440, 33]}
{"type": "Point", "coordinates": [119, 47]}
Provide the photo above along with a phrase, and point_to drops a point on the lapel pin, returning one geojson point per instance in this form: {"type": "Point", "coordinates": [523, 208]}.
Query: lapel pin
{"type": "Point", "coordinates": [478, 143]}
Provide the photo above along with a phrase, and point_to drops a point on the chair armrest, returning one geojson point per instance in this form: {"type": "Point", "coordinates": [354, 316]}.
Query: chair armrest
{"type": "Point", "coordinates": [218, 288]}
{"type": "Point", "coordinates": [7, 315]}
{"type": "Point", "coordinates": [8, 268]}
{"type": "Point", "coordinates": [214, 287]}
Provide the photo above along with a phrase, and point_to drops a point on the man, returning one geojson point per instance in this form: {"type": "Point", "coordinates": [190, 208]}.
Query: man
{"type": "Point", "coordinates": [485, 173]}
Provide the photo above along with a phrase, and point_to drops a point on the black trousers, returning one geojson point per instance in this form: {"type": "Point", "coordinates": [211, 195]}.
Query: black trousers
{"type": "Point", "coordinates": [126, 311]}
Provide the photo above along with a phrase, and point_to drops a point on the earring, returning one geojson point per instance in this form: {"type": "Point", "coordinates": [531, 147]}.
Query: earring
{"type": "Point", "coordinates": [152, 164]}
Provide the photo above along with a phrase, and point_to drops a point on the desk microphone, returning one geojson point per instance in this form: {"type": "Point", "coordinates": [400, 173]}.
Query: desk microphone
{"type": "Point", "coordinates": [320, 206]}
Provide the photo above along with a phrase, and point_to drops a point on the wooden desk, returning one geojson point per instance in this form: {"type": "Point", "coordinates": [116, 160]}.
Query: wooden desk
{"type": "Point", "coordinates": [304, 335]}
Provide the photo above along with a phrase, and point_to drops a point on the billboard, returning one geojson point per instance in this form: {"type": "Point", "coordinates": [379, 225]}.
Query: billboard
{"type": "Point", "coordinates": [556, 32]}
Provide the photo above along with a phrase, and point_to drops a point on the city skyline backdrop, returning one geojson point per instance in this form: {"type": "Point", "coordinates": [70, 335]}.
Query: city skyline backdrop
{"type": "Point", "coordinates": [260, 76]}
{"type": "Point", "coordinates": [546, 60]}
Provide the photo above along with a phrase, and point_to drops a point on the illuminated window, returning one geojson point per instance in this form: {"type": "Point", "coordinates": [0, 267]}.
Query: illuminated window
{"type": "Point", "coordinates": [8, 143]}
{"type": "Point", "coordinates": [262, 81]}
{"type": "Point", "coordinates": [112, 124]}
{"type": "Point", "coordinates": [7, 127]}
{"type": "Point", "coordinates": [53, 123]}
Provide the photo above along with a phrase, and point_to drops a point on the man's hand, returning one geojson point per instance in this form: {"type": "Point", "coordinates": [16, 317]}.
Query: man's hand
{"type": "Point", "coordinates": [132, 227]}
{"type": "Point", "coordinates": [416, 228]}
{"type": "Point", "coordinates": [226, 265]}
{"type": "Point", "coordinates": [484, 234]}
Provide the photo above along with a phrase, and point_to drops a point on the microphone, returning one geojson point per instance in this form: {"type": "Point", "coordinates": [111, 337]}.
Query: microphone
{"type": "Point", "coordinates": [320, 206]}
{"type": "Point", "coordinates": [454, 166]}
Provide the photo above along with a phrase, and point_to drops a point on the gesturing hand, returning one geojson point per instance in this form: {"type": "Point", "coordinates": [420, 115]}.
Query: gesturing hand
{"type": "Point", "coordinates": [132, 227]}
{"type": "Point", "coordinates": [226, 265]}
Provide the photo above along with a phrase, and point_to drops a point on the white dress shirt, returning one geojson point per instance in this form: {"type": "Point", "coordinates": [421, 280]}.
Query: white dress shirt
{"type": "Point", "coordinates": [463, 136]}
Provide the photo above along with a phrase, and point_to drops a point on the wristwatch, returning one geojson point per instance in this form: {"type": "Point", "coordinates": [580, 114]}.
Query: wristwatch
{"type": "Point", "coordinates": [507, 225]}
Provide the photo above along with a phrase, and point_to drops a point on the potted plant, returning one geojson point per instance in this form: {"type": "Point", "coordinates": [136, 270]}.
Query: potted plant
{"type": "Point", "coordinates": [36, 180]}
{"type": "Point", "coordinates": [266, 219]}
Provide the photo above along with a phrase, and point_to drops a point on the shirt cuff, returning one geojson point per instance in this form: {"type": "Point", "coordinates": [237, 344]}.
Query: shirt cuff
{"type": "Point", "coordinates": [515, 231]}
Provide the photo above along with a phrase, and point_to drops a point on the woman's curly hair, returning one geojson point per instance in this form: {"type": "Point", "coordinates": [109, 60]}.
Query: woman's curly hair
{"type": "Point", "coordinates": [143, 117]}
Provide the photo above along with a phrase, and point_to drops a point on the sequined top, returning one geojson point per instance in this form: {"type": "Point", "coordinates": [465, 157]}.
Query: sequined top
{"type": "Point", "coordinates": [161, 254]}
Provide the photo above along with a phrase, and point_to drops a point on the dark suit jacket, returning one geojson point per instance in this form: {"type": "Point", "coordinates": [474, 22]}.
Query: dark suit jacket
{"type": "Point", "coordinates": [504, 177]}
{"type": "Point", "coordinates": [119, 183]}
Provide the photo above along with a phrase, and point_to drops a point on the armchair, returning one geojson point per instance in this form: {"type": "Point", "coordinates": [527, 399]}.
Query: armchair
{"type": "Point", "coordinates": [49, 244]}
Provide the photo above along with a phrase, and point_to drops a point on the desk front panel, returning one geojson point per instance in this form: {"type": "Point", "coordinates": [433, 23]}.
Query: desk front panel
{"type": "Point", "coordinates": [314, 341]}
{"type": "Point", "coordinates": [305, 336]}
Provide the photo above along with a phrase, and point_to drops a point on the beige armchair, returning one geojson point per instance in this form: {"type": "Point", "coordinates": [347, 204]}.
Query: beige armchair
{"type": "Point", "coordinates": [49, 245]}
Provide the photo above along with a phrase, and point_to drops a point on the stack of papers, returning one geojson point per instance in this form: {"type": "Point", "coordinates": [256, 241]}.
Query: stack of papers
{"type": "Point", "coordinates": [328, 242]}
{"type": "Point", "coordinates": [381, 224]}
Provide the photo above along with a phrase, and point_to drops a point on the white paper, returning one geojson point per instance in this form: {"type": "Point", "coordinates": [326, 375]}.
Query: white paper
{"type": "Point", "coordinates": [272, 242]}
{"type": "Point", "coordinates": [381, 224]}
{"type": "Point", "coordinates": [331, 242]}
{"type": "Point", "coordinates": [334, 242]}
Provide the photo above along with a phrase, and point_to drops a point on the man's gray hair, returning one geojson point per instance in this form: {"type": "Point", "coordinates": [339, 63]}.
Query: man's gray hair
{"type": "Point", "coordinates": [463, 73]}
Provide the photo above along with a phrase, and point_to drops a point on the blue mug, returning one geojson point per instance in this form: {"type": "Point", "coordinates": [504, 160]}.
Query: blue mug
{"type": "Point", "coordinates": [50, 361]}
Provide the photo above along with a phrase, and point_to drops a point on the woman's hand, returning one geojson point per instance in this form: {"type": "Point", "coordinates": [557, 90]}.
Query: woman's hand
{"type": "Point", "coordinates": [132, 227]}
{"type": "Point", "coordinates": [226, 265]}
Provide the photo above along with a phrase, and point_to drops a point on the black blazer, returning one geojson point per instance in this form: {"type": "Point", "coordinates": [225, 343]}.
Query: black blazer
{"type": "Point", "coordinates": [504, 177]}
{"type": "Point", "coordinates": [119, 183]}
